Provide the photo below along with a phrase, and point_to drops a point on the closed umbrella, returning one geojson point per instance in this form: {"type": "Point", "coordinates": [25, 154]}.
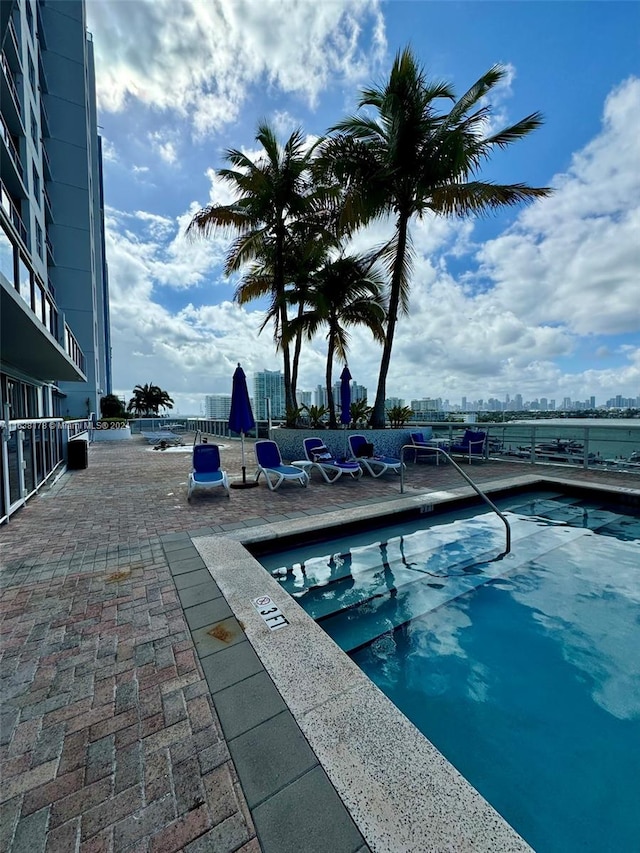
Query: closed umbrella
{"type": "Point", "coordinates": [241, 418]}
{"type": "Point", "coordinates": [345, 402]}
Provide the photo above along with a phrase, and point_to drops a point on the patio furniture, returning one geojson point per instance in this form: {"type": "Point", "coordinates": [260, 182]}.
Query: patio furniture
{"type": "Point", "coordinates": [471, 446]}
{"type": "Point", "coordinates": [207, 473]}
{"type": "Point", "coordinates": [270, 464]}
{"type": "Point", "coordinates": [330, 468]}
{"type": "Point", "coordinates": [362, 452]}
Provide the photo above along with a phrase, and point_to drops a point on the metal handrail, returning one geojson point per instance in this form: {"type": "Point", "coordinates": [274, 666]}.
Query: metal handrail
{"type": "Point", "coordinates": [476, 488]}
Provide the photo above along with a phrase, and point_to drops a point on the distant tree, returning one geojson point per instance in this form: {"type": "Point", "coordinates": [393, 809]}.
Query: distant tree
{"type": "Point", "coordinates": [111, 406]}
{"type": "Point", "coordinates": [148, 399]}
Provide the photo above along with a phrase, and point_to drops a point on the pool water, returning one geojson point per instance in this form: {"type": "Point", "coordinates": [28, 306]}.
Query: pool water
{"type": "Point", "coordinates": [523, 670]}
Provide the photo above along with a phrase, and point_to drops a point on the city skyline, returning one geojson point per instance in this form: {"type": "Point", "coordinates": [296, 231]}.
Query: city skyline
{"type": "Point", "coordinates": [540, 298]}
{"type": "Point", "coordinates": [216, 406]}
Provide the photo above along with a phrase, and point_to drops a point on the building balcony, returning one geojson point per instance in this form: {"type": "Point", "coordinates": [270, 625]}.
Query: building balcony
{"type": "Point", "coordinates": [29, 331]}
{"type": "Point", "coordinates": [46, 163]}
{"type": "Point", "coordinates": [11, 105]}
{"type": "Point", "coordinates": [10, 162]}
{"type": "Point", "coordinates": [11, 45]}
{"type": "Point", "coordinates": [42, 76]}
{"type": "Point", "coordinates": [10, 209]}
{"type": "Point", "coordinates": [48, 210]}
{"type": "Point", "coordinates": [51, 261]}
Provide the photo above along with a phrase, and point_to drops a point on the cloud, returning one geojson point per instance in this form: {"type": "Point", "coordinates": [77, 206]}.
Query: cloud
{"type": "Point", "coordinates": [504, 316]}
{"type": "Point", "coordinates": [200, 59]}
{"type": "Point", "coordinates": [165, 148]}
{"type": "Point", "coordinates": [573, 258]}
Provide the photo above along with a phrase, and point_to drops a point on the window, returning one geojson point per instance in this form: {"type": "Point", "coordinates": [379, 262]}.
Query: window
{"type": "Point", "coordinates": [32, 73]}
{"type": "Point", "coordinates": [34, 127]}
{"type": "Point", "coordinates": [39, 240]}
{"type": "Point", "coordinates": [24, 281]}
{"type": "Point", "coordinates": [6, 257]}
{"type": "Point", "coordinates": [38, 301]}
{"type": "Point", "coordinates": [35, 182]}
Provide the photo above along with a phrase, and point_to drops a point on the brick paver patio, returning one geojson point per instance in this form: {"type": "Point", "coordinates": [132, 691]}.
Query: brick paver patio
{"type": "Point", "coordinates": [109, 738]}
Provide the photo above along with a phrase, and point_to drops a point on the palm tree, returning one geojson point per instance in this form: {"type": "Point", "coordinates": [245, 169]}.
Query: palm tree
{"type": "Point", "coordinates": [345, 291]}
{"type": "Point", "coordinates": [148, 399]}
{"type": "Point", "coordinates": [272, 192]}
{"type": "Point", "coordinates": [307, 242]}
{"type": "Point", "coordinates": [410, 159]}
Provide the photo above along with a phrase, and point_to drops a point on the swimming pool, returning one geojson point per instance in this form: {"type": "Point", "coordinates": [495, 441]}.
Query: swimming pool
{"type": "Point", "coordinates": [523, 671]}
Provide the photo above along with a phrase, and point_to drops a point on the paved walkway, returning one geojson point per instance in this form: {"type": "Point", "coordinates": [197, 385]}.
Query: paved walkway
{"type": "Point", "coordinates": [109, 738]}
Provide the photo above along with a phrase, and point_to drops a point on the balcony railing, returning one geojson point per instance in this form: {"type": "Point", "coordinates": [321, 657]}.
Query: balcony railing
{"type": "Point", "coordinates": [44, 119]}
{"type": "Point", "coordinates": [10, 209]}
{"type": "Point", "coordinates": [47, 205]}
{"type": "Point", "coordinates": [8, 74]}
{"type": "Point", "coordinates": [12, 43]}
{"type": "Point", "coordinates": [46, 163]}
{"type": "Point", "coordinates": [50, 256]}
{"type": "Point", "coordinates": [13, 151]}
{"type": "Point", "coordinates": [73, 349]}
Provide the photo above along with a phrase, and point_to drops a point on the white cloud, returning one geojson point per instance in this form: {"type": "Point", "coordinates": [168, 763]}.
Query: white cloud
{"type": "Point", "coordinates": [165, 148]}
{"type": "Point", "coordinates": [574, 258]}
{"type": "Point", "coordinates": [199, 59]}
{"type": "Point", "coordinates": [485, 319]}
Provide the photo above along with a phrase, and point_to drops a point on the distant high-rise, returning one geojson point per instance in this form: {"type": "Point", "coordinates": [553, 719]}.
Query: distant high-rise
{"type": "Point", "coordinates": [304, 398]}
{"type": "Point", "coordinates": [358, 392]}
{"type": "Point", "coordinates": [320, 395]}
{"type": "Point", "coordinates": [269, 385]}
{"type": "Point", "coordinates": [55, 345]}
{"type": "Point", "coordinates": [217, 406]}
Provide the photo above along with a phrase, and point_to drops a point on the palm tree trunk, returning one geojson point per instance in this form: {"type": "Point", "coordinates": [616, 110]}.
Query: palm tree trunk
{"type": "Point", "coordinates": [378, 413]}
{"type": "Point", "coordinates": [333, 424]}
{"type": "Point", "coordinates": [296, 358]}
{"type": "Point", "coordinates": [289, 401]}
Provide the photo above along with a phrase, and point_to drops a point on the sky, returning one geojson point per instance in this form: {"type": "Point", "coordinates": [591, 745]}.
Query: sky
{"type": "Point", "coordinates": [541, 300]}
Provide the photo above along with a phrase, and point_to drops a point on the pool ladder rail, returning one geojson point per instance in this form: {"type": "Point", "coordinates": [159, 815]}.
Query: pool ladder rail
{"type": "Point", "coordinates": [473, 485]}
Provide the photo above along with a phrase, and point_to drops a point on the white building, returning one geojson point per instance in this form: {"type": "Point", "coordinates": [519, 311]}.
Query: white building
{"type": "Point", "coordinates": [217, 407]}
{"type": "Point", "coordinates": [269, 384]}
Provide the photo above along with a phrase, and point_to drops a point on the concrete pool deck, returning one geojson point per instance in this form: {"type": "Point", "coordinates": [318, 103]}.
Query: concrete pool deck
{"type": "Point", "coordinates": [137, 714]}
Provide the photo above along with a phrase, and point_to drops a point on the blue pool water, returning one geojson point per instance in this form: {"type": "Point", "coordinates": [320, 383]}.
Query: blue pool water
{"type": "Point", "coordinates": [524, 671]}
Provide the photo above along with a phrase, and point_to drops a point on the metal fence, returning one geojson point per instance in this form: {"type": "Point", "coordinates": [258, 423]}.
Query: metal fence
{"type": "Point", "coordinates": [604, 446]}
{"type": "Point", "coordinates": [31, 452]}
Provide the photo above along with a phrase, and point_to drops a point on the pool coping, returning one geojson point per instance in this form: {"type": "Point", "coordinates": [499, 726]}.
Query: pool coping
{"type": "Point", "coordinates": [401, 793]}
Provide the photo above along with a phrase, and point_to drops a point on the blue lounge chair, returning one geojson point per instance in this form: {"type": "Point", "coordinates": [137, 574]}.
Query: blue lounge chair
{"type": "Point", "coordinates": [270, 464]}
{"type": "Point", "coordinates": [424, 442]}
{"type": "Point", "coordinates": [329, 467]}
{"type": "Point", "coordinates": [374, 465]}
{"type": "Point", "coordinates": [206, 471]}
{"type": "Point", "coordinates": [471, 445]}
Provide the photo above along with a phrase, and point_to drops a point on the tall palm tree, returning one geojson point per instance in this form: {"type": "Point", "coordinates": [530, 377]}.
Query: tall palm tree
{"type": "Point", "coordinates": [345, 292]}
{"type": "Point", "coordinates": [409, 159]}
{"type": "Point", "coordinates": [148, 399]}
{"type": "Point", "coordinates": [272, 192]}
{"type": "Point", "coordinates": [306, 249]}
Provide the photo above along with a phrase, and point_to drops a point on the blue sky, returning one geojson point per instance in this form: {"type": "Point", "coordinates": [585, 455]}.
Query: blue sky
{"type": "Point", "coordinates": [542, 300]}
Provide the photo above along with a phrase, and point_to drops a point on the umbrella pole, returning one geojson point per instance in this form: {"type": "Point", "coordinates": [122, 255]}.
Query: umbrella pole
{"type": "Point", "coordinates": [243, 484]}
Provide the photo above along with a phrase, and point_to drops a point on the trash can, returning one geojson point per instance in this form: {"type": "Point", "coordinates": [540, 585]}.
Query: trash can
{"type": "Point", "coordinates": [77, 454]}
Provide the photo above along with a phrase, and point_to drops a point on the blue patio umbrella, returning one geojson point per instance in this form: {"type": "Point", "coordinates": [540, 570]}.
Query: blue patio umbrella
{"type": "Point", "coordinates": [345, 402]}
{"type": "Point", "coordinates": [241, 418]}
